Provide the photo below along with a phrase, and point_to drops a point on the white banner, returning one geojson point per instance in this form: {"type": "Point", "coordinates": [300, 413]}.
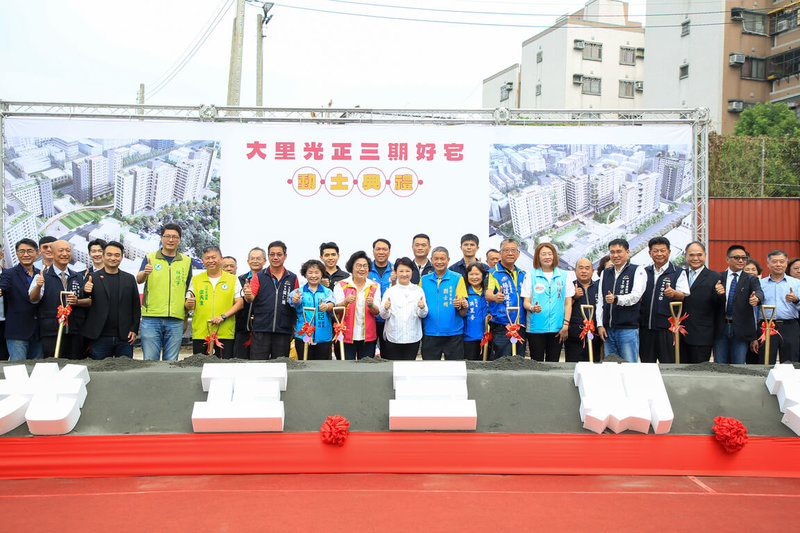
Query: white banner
{"type": "Point", "coordinates": [305, 184]}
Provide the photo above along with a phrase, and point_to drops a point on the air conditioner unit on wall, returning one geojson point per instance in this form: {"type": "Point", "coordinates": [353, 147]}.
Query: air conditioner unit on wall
{"type": "Point", "coordinates": [640, 53]}
{"type": "Point", "coordinates": [781, 25]}
{"type": "Point", "coordinates": [735, 59]}
{"type": "Point", "coordinates": [638, 86]}
{"type": "Point", "coordinates": [577, 79]}
{"type": "Point", "coordinates": [735, 106]}
{"type": "Point", "coordinates": [736, 13]}
{"type": "Point", "coordinates": [579, 44]}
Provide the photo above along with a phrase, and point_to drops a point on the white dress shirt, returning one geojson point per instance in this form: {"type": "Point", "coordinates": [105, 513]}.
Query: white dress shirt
{"type": "Point", "coordinates": [403, 318]}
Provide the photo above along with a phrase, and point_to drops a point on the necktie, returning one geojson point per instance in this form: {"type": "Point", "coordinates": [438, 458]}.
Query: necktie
{"type": "Point", "coordinates": [64, 280]}
{"type": "Point", "coordinates": [691, 277]}
{"type": "Point", "coordinates": [729, 305]}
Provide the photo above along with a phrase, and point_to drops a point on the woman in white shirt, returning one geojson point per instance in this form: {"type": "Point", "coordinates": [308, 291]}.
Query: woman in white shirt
{"type": "Point", "coordinates": [403, 306]}
{"type": "Point", "coordinates": [361, 297]}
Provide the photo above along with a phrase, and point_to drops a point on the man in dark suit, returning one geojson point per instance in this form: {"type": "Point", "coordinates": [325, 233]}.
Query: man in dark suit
{"type": "Point", "coordinates": [22, 325]}
{"type": "Point", "coordinates": [113, 318]}
{"type": "Point", "coordinates": [46, 292]}
{"type": "Point", "coordinates": [738, 292]}
{"type": "Point", "coordinates": [701, 306]}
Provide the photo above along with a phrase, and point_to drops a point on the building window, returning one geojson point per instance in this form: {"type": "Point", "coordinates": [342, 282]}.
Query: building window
{"type": "Point", "coordinates": [590, 85]}
{"type": "Point", "coordinates": [753, 22]}
{"type": "Point", "coordinates": [593, 51]}
{"type": "Point", "coordinates": [625, 89]}
{"type": "Point", "coordinates": [784, 64]}
{"type": "Point", "coordinates": [505, 90]}
{"type": "Point", "coordinates": [754, 68]}
{"type": "Point", "coordinates": [627, 55]}
{"type": "Point", "coordinates": [539, 57]}
{"type": "Point", "coordinates": [684, 28]}
{"type": "Point", "coordinates": [684, 71]}
{"type": "Point", "coordinates": [538, 89]}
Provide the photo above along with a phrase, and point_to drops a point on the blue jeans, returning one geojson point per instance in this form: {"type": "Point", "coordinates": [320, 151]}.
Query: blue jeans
{"type": "Point", "coordinates": [624, 343]}
{"type": "Point", "coordinates": [110, 347]}
{"type": "Point", "coordinates": [157, 334]}
{"type": "Point", "coordinates": [728, 349]}
{"type": "Point", "coordinates": [20, 350]}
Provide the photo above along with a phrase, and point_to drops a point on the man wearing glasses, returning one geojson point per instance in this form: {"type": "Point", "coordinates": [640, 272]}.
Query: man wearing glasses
{"type": "Point", "coordinates": [738, 292]}
{"type": "Point", "coordinates": [22, 324]}
{"type": "Point", "coordinates": [166, 275]}
{"type": "Point", "coordinates": [256, 259]}
{"type": "Point", "coordinates": [505, 282]}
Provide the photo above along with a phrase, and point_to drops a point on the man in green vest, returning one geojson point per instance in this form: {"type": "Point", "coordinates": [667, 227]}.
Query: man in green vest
{"type": "Point", "coordinates": [166, 275]}
{"type": "Point", "coordinates": [214, 298]}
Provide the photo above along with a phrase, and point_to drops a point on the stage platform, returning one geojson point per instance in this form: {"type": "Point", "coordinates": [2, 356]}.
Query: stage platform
{"type": "Point", "coordinates": [137, 421]}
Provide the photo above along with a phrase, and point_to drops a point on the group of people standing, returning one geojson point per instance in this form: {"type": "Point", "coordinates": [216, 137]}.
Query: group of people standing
{"type": "Point", "coordinates": [425, 304]}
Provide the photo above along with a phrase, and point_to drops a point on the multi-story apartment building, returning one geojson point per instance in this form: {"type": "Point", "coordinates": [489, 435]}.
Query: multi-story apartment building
{"type": "Point", "coordinates": [592, 58]}
{"type": "Point", "coordinates": [725, 55]}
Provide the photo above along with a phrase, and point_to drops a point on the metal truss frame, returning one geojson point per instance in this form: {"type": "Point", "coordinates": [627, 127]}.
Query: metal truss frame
{"type": "Point", "coordinates": [698, 118]}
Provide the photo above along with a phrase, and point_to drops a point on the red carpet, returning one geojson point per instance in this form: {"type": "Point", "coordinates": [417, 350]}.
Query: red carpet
{"type": "Point", "coordinates": [400, 502]}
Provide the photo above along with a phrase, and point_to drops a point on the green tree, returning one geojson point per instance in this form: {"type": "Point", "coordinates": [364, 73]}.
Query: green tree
{"type": "Point", "coordinates": [767, 120]}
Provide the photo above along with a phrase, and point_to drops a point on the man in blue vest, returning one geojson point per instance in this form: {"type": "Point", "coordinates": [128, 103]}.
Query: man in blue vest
{"type": "Point", "coordinates": [382, 272]}
{"type": "Point", "coordinates": [665, 284]}
{"type": "Point", "coordinates": [443, 327]}
{"type": "Point", "coordinates": [618, 302]}
{"type": "Point", "coordinates": [503, 295]}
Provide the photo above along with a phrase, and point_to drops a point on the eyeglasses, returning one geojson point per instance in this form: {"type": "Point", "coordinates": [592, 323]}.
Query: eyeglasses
{"type": "Point", "coordinates": [738, 257]}
{"type": "Point", "coordinates": [171, 237]}
{"type": "Point", "coordinates": [276, 255]}
{"type": "Point", "coordinates": [26, 252]}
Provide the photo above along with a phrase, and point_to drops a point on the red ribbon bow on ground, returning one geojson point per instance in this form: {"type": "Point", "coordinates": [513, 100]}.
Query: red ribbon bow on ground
{"type": "Point", "coordinates": [673, 326]}
{"type": "Point", "coordinates": [339, 329]}
{"type": "Point", "coordinates": [772, 331]}
{"type": "Point", "coordinates": [307, 329]}
{"type": "Point", "coordinates": [63, 314]}
{"type": "Point", "coordinates": [730, 433]}
{"type": "Point", "coordinates": [487, 336]}
{"type": "Point", "coordinates": [588, 330]}
{"type": "Point", "coordinates": [334, 430]}
{"type": "Point", "coordinates": [513, 332]}
{"type": "Point", "coordinates": [211, 341]}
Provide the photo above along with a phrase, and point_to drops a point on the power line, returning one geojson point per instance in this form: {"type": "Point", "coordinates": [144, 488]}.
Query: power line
{"type": "Point", "coordinates": [199, 41]}
{"type": "Point", "coordinates": [466, 23]}
{"type": "Point", "coordinates": [516, 14]}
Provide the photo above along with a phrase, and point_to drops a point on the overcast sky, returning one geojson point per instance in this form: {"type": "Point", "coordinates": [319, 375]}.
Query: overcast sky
{"type": "Point", "coordinates": [98, 51]}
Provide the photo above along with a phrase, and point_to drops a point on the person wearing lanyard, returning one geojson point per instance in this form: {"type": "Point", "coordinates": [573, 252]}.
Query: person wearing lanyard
{"type": "Point", "coordinates": [547, 295]}
{"type": "Point", "coordinates": [360, 297]}
{"type": "Point", "coordinates": [618, 302]}
{"type": "Point", "coordinates": [505, 282]}
{"type": "Point", "coordinates": [313, 295]}
{"type": "Point", "coordinates": [575, 348]}
{"type": "Point", "coordinates": [781, 291]}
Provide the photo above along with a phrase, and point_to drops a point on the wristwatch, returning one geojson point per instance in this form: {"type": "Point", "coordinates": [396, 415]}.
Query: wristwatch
{"type": "Point", "coordinates": [223, 316]}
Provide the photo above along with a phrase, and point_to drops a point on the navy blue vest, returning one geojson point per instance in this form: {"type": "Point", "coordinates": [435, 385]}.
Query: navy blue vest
{"type": "Point", "coordinates": [620, 316]}
{"type": "Point", "coordinates": [50, 300]}
{"type": "Point", "coordinates": [655, 306]}
{"type": "Point", "coordinates": [589, 298]}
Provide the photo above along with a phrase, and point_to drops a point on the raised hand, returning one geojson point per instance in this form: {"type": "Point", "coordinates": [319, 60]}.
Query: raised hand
{"type": "Point", "coordinates": [753, 299]}
{"type": "Point", "coordinates": [669, 292]}
{"type": "Point", "coordinates": [190, 302]}
{"type": "Point", "coordinates": [578, 291]}
{"type": "Point", "coordinates": [421, 303]}
{"type": "Point", "coordinates": [536, 308]}
{"type": "Point", "coordinates": [388, 304]}
{"type": "Point", "coordinates": [350, 299]}
{"type": "Point", "coordinates": [499, 296]}
{"type": "Point", "coordinates": [89, 285]}
{"type": "Point", "coordinates": [369, 300]}
{"type": "Point", "coordinates": [246, 292]}
{"type": "Point", "coordinates": [40, 279]}
{"type": "Point", "coordinates": [148, 268]}
{"type": "Point", "coordinates": [609, 298]}
{"type": "Point", "coordinates": [791, 297]}
{"type": "Point", "coordinates": [720, 288]}
{"type": "Point", "coordinates": [296, 298]}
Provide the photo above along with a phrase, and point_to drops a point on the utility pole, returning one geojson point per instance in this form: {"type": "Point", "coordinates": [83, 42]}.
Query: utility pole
{"type": "Point", "coordinates": [237, 43]}
{"type": "Point", "coordinates": [140, 97]}
{"type": "Point", "coordinates": [261, 29]}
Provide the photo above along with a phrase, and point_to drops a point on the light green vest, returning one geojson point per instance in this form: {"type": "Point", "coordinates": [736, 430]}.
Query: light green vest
{"type": "Point", "coordinates": [210, 301]}
{"type": "Point", "coordinates": [165, 288]}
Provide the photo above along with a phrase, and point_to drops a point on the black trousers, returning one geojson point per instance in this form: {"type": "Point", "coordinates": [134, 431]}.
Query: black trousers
{"type": "Point", "coordinates": [576, 350]}
{"type": "Point", "coordinates": [270, 345]}
{"type": "Point", "coordinates": [200, 346]}
{"type": "Point", "coordinates": [3, 347]}
{"type": "Point", "coordinates": [544, 347]}
{"type": "Point", "coordinates": [316, 352]}
{"type": "Point", "coordinates": [379, 326]}
{"type": "Point", "coordinates": [787, 343]}
{"type": "Point", "coordinates": [359, 350]}
{"type": "Point", "coordinates": [473, 351]}
{"type": "Point", "coordinates": [71, 346]}
{"type": "Point", "coordinates": [655, 345]}
{"type": "Point", "coordinates": [399, 352]}
{"type": "Point", "coordinates": [240, 351]}
{"type": "Point", "coordinates": [452, 346]}
{"type": "Point", "coordinates": [694, 354]}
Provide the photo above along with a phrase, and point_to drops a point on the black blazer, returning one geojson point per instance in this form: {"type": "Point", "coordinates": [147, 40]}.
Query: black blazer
{"type": "Point", "coordinates": [744, 322]}
{"type": "Point", "coordinates": [128, 303]}
{"type": "Point", "coordinates": [22, 321]}
{"type": "Point", "coordinates": [701, 306]}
